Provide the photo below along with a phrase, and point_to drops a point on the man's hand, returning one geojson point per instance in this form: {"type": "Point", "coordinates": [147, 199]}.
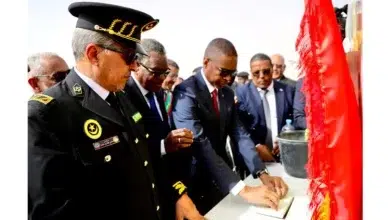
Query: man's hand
{"type": "Point", "coordinates": [264, 153]}
{"type": "Point", "coordinates": [179, 138]}
{"type": "Point", "coordinates": [276, 184]}
{"type": "Point", "coordinates": [275, 150]}
{"type": "Point", "coordinates": [260, 195]}
{"type": "Point", "coordinates": [185, 208]}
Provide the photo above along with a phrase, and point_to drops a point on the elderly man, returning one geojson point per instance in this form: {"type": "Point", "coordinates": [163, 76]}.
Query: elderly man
{"type": "Point", "coordinates": [278, 70]}
{"type": "Point", "coordinates": [87, 147]}
{"type": "Point", "coordinates": [204, 104]}
{"type": "Point", "coordinates": [165, 145]}
{"type": "Point", "coordinates": [45, 70]}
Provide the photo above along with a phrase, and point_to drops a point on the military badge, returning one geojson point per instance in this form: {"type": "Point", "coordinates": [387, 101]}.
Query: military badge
{"type": "Point", "coordinates": [44, 99]}
{"type": "Point", "coordinates": [77, 90]}
{"type": "Point", "coordinates": [92, 129]}
{"type": "Point", "coordinates": [106, 142]}
{"type": "Point", "coordinates": [136, 117]}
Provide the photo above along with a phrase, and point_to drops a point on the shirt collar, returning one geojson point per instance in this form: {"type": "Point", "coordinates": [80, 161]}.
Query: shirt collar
{"type": "Point", "coordinates": [142, 89]}
{"type": "Point", "coordinates": [102, 92]}
{"type": "Point", "coordinates": [270, 87]}
{"type": "Point", "coordinates": [210, 87]}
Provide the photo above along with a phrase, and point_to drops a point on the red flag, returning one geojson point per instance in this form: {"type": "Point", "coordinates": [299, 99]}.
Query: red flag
{"type": "Point", "coordinates": [333, 119]}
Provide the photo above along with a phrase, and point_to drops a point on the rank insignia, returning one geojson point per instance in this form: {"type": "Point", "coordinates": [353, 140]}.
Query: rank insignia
{"type": "Point", "coordinates": [92, 129]}
{"type": "Point", "coordinates": [44, 99]}
{"type": "Point", "coordinates": [180, 187]}
{"type": "Point", "coordinates": [77, 90]}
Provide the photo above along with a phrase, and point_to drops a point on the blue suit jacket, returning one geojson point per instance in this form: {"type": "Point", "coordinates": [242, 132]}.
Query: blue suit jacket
{"type": "Point", "coordinates": [299, 107]}
{"type": "Point", "coordinates": [192, 109]}
{"type": "Point", "coordinates": [251, 112]}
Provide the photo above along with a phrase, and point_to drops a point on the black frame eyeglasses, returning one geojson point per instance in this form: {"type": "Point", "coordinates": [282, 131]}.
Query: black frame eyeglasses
{"type": "Point", "coordinates": [161, 74]}
{"type": "Point", "coordinates": [57, 76]}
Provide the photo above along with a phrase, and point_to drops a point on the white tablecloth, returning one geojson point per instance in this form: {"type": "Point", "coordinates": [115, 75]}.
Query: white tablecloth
{"type": "Point", "coordinates": [235, 208]}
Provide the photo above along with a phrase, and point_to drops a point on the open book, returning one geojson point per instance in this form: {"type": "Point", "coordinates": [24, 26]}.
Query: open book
{"type": "Point", "coordinates": [284, 206]}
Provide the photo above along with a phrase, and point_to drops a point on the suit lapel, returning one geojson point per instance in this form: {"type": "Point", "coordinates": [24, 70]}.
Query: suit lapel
{"type": "Point", "coordinates": [279, 96]}
{"type": "Point", "coordinates": [222, 111]}
{"type": "Point", "coordinates": [204, 94]}
{"type": "Point", "coordinates": [93, 101]}
{"type": "Point", "coordinates": [257, 100]}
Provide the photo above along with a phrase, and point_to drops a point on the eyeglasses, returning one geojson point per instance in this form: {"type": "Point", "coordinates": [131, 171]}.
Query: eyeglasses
{"type": "Point", "coordinates": [225, 72]}
{"type": "Point", "coordinates": [161, 74]}
{"type": "Point", "coordinates": [128, 55]}
{"type": "Point", "coordinates": [264, 71]}
{"type": "Point", "coordinates": [56, 76]}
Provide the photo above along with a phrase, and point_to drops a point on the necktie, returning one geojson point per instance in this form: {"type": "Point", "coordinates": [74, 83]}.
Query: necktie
{"type": "Point", "coordinates": [152, 103]}
{"type": "Point", "coordinates": [268, 139]}
{"type": "Point", "coordinates": [113, 101]}
{"type": "Point", "coordinates": [214, 96]}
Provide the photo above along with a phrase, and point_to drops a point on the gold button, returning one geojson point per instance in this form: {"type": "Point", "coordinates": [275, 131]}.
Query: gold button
{"type": "Point", "coordinates": [158, 207]}
{"type": "Point", "coordinates": [136, 140]}
{"type": "Point", "coordinates": [152, 185]}
{"type": "Point", "coordinates": [107, 158]}
{"type": "Point", "coordinates": [145, 163]}
{"type": "Point", "coordinates": [147, 135]}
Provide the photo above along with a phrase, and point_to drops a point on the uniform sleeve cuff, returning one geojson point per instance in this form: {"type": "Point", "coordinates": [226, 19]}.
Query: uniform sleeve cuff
{"type": "Point", "coordinates": [237, 188]}
{"type": "Point", "coordinates": [162, 147]}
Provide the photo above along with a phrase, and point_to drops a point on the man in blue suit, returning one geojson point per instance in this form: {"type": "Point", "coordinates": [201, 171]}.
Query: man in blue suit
{"type": "Point", "coordinates": [264, 105]}
{"type": "Point", "coordinates": [204, 104]}
{"type": "Point", "coordinates": [299, 107]}
{"type": "Point", "coordinates": [144, 89]}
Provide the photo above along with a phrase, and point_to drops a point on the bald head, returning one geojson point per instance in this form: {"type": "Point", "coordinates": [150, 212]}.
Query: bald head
{"type": "Point", "coordinates": [220, 47]}
{"type": "Point", "coordinates": [278, 66]}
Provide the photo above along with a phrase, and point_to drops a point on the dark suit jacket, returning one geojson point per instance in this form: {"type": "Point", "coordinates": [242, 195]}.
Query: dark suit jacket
{"type": "Point", "coordinates": [251, 112]}
{"type": "Point", "coordinates": [169, 168]}
{"type": "Point", "coordinates": [71, 175]}
{"type": "Point", "coordinates": [299, 107]}
{"type": "Point", "coordinates": [288, 81]}
{"type": "Point", "coordinates": [192, 109]}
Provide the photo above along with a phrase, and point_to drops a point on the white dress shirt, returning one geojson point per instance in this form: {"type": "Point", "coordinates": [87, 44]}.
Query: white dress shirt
{"type": "Point", "coordinates": [144, 92]}
{"type": "Point", "coordinates": [102, 92]}
{"type": "Point", "coordinates": [272, 108]}
{"type": "Point", "coordinates": [240, 185]}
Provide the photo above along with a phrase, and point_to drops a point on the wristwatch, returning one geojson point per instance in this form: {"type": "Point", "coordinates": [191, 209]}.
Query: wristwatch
{"type": "Point", "coordinates": [263, 171]}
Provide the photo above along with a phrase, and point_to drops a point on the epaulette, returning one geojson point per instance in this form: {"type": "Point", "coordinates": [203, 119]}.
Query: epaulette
{"type": "Point", "coordinates": [42, 98]}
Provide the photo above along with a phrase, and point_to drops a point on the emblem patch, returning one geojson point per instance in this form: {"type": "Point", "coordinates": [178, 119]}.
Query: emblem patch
{"type": "Point", "coordinates": [44, 99]}
{"type": "Point", "coordinates": [77, 90]}
{"type": "Point", "coordinates": [136, 117]}
{"type": "Point", "coordinates": [106, 142]}
{"type": "Point", "coordinates": [92, 129]}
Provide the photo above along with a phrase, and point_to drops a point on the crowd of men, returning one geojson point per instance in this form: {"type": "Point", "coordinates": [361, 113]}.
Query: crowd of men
{"type": "Point", "coordinates": [121, 136]}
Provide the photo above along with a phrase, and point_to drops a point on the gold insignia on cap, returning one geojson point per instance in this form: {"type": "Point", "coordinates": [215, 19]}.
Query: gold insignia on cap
{"type": "Point", "coordinates": [179, 186]}
{"type": "Point", "coordinates": [123, 28]}
{"type": "Point", "coordinates": [136, 117]}
{"type": "Point", "coordinates": [77, 90]}
{"type": "Point", "coordinates": [44, 99]}
{"type": "Point", "coordinates": [149, 25]}
{"type": "Point", "coordinates": [92, 129]}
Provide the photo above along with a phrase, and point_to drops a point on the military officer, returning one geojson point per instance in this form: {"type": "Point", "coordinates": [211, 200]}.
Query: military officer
{"type": "Point", "coordinates": [88, 157]}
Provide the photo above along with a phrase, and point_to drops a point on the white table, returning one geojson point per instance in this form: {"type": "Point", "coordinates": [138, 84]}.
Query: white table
{"type": "Point", "coordinates": [234, 207]}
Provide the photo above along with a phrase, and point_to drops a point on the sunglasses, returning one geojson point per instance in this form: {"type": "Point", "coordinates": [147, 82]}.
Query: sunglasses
{"type": "Point", "coordinates": [128, 55]}
{"type": "Point", "coordinates": [225, 72]}
{"type": "Point", "coordinates": [264, 71]}
{"type": "Point", "coordinates": [56, 76]}
{"type": "Point", "coordinates": [161, 74]}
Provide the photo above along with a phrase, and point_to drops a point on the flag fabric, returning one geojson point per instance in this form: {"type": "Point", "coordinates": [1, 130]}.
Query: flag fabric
{"type": "Point", "coordinates": [332, 113]}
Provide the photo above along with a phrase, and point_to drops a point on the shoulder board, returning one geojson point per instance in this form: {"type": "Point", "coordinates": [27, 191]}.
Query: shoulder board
{"type": "Point", "coordinates": [44, 99]}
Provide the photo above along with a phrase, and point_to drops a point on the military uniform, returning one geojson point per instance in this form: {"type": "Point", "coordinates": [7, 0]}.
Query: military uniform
{"type": "Point", "coordinates": [86, 159]}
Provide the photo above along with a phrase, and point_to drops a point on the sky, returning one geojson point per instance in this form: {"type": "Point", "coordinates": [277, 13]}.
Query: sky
{"type": "Point", "coordinates": [186, 27]}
